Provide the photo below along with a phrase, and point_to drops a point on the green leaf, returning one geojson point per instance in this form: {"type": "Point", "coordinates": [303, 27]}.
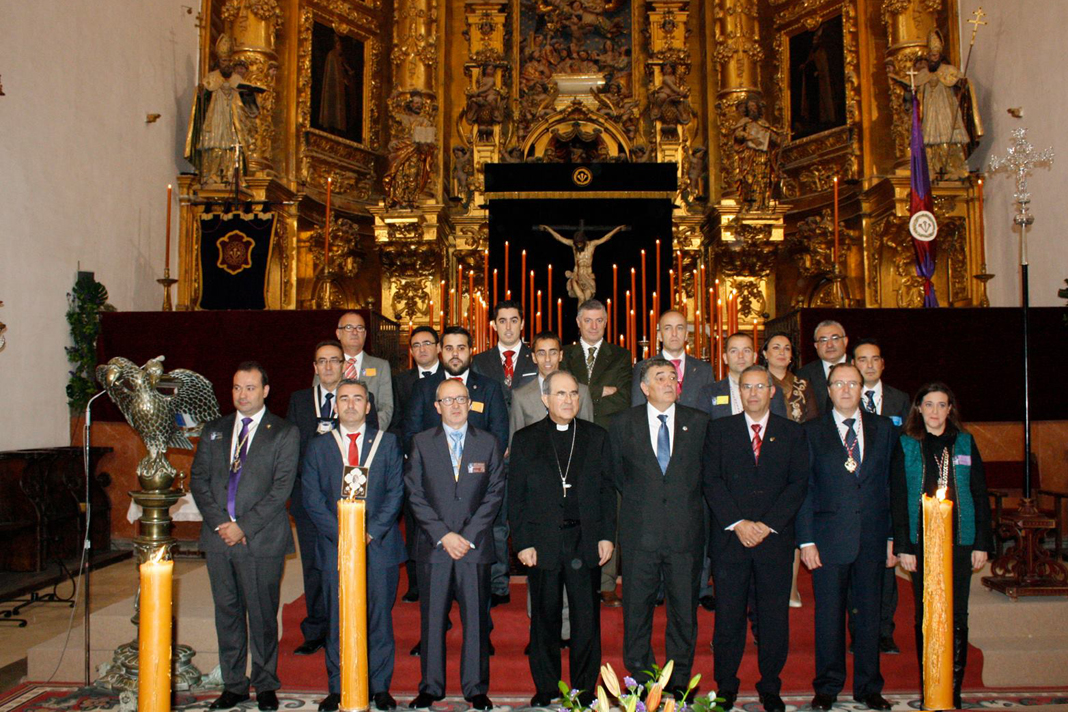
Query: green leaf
{"type": "Point", "coordinates": [563, 688]}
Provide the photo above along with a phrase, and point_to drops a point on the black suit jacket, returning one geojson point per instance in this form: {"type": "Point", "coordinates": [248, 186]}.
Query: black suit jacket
{"type": "Point", "coordinates": [738, 487]}
{"type": "Point", "coordinates": [715, 399]}
{"type": "Point", "coordinates": [695, 375]}
{"type": "Point", "coordinates": [403, 385]}
{"type": "Point", "coordinates": [896, 404]}
{"type": "Point", "coordinates": [266, 481]}
{"type": "Point", "coordinates": [442, 504]}
{"type": "Point", "coordinates": [813, 373]}
{"type": "Point", "coordinates": [489, 363]}
{"type": "Point", "coordinates": [847, 514]}
{"type": "Point", "coordinates": [488, 410]}
{"type": "Point", "coordinates": [302, 414]}
{"type": "Point", "coordinates": [612, 368]}
{"type": "Point", "coordinates": [534, 488]}
{"type": "Point", "coordinates": [663, 512]}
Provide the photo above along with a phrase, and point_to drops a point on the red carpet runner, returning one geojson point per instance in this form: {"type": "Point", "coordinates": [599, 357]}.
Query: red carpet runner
{"type": "Point", "coordinates": [510, 672]}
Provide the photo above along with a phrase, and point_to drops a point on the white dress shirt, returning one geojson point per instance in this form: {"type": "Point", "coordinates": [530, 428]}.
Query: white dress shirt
{"type": "Point", "coordinates": [586, 349]}
{"type": "Point", "coordinates": [878, 388]}
{"type": "Point", "coordinates": [843, 429]}
{"type": "Point", "coordinates": [654, 425]}
{"type": "Point", "coordinates": [736, 394]}
{"type": "Point", "coordinates": [235, 440]}
{"type": "Point", "coordinates": [827, 365]}
{"type": "Point", "coordinates": [424, 372]}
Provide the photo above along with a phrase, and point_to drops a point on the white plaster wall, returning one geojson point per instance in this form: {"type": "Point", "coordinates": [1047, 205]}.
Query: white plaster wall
{"type": "Point", "coordinates": [82, 178]}
{"type": "Point", "coordinates": [1020, 60]}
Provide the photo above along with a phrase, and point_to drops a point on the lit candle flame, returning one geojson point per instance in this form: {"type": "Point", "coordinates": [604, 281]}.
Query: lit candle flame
{"type": "Point", "coordinates": [941, 493]}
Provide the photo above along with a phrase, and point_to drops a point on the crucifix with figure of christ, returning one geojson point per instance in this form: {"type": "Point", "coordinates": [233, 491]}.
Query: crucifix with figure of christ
{"type": "Point", "coordinates": [580, 281]}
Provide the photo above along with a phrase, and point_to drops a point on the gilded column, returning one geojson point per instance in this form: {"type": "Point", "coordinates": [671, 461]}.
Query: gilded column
{"type": "Point", "coordinates": [254, 24]}
{"type": "Point", "coordinates": [737, 57]}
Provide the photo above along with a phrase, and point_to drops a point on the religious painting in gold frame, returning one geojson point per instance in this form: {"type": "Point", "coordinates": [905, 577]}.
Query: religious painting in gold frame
{"type": "Point", "coordinates": [829, 148]}
{"type": "Point", "coordinates": [347, 154]}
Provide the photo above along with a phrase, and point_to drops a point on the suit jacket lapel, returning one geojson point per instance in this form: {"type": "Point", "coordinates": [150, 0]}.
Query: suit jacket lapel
{"type": "Point", "coordinates": [869, 426]}
{"type": "Point", "coordinates": [228, 436]}
{"type": "Point", "coordinates": [640, 430]}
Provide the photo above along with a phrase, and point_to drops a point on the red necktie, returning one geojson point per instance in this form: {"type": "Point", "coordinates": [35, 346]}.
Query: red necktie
{"type": "Point", "coordinates": [678, 373]}
{"type": "Point", "coordinates": [354, 450]}
{"type": "Point", "coordinates": [509, 369]}
{"type": "Point", "coordinates": [757, 442]}
{"type": "Point", "coordinates": [456, 378]}
{"type": "Point", "coordinates": [350, 369]}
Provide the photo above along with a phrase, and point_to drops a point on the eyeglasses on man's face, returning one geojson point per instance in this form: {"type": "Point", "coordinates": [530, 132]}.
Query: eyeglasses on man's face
{"type": "Point", "coordinates": [334, 361]}
{"type": "Point", "coordinates": [757, 387]}
{"type": "Point", "coordinates": [845, 384]}
{"type": "Point", "coordinates": [458, 400]}
{"type": "Point", "coordinates": [423, 344]}
{"type": "Point", "coordinates": [834, 339]}
{"type": "Point", "coordinates": [349, 328]}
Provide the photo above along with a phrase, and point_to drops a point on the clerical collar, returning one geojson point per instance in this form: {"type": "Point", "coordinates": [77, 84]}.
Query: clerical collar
{"type": "Point", "coordinates": [563, 428]}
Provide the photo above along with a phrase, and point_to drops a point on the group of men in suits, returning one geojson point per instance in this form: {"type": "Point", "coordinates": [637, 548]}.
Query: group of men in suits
{"type": "Point", "coordinates": [554, 445]}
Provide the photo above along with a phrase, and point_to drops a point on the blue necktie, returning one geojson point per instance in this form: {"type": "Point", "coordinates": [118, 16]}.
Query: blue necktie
{"type": "Point", "coordinates": [235, 468]}
{"type": "Point", "coordinates": [457, 452]}
{"type": "Point", "coordinates": [870, 405]}
{"type": "Point", "coordinates": [663, 445]}
{"type": "Point", "coordinates": [327, 410]}
{"type": "Point", "coordinates": [851, 440]}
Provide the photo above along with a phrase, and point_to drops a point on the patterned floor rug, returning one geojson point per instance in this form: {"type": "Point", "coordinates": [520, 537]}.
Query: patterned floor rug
{"type": "Point", "coordinates": [34, 697]}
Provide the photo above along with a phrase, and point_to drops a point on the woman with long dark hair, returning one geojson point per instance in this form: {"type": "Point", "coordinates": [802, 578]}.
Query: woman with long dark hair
{"type": "Point", "coordinates": [935, 451]}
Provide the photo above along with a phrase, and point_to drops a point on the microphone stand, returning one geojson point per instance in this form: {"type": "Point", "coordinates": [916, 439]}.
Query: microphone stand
{"type": "Point", "coordinates": [87, 545]}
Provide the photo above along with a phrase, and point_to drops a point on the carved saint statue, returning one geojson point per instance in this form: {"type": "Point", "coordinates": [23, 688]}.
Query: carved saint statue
{"type": "Point", "coordinates": [338, 80]}
{"type": "Point", "coordinates": [670, 101]}
{"type": "Point", "coordinates": [580, 281]}
{"type": "Point", "coordinates": [220, 130]}
{"type": "Point", "coordinates": [951, 123]}
{"type": "Point", "coordinates": [756, 155]}
{"type": "Point", "coordinates": [411, 153]}
{"type": "Point", "coordinates": [484, 107]}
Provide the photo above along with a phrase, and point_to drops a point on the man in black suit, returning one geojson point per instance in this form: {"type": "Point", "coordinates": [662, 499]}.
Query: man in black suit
{"type": "Point", "coordinates": [606, 370]}
{"type": "Point", "coordinates": [657, 454]}
{"type": "Point", "coordinates": [723, 399]}
{"type": "Point", "coordinates": [830, 341]}
{"type": "Point", "coordinates": [756, 474]}
{"type": "Point", "coordinates": [511, 364]}
{"type": "Point", "coordinates": [455, 483]}
{"type": "Point", "coordinates": [488, 411]}
{"type": "Point", "coordinates": [313, 411]}
{"type": "Point", "coordinates": [241, 477]}
{"type": "Point", "coordinates": [426, 352]}
{"type": "Point", "coordinates": [882, 399]}
{"type": "Point", "coordinates": [355, 443]}
{"type": "Point", "coordinates": [563, 525]}
{"type": "Point", "coordinates": [694, 374]}
{"type": "Point", "coordinates": [843, 530]}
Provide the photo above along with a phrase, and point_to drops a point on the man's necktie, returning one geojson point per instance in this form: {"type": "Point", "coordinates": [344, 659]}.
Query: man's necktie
{"type": "Point", "coordinates": [354, 450]}
{"type": "Point", "coordinates": [509, 369]}
{"type": "Point", "coordinates": [590, 358]}
{"type": "Point", "coordinates": [328, 410]}
{"type": "Point", "coordinates": [350, 369]}
{"type": "Point", "coordinates": [663, 445]}
{"type": "Point", "coordinates": [235, 469]}
{"type": "Point", "coordinates": [678, 372]}
{"type": "Point", "coordinates": [457, 451]}
{"type": "Point", "coordinates": [851, 439]}
{"type": "Point", "coordinates": [424, 374]}
{"type": "Point", "coordinates": [869, 405]}
{"type": "Point", "coordinates": [456, 378]}
{"type": "Point", "coordinates": [757, 442]}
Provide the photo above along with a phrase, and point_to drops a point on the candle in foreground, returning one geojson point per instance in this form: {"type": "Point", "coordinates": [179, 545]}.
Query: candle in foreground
{"type": "Point", "coordinates": [658, 291]}
{"type": "Point", "coordinates": [167, 256]}
{"type": "Point", "coordinates": [154, 636]}
{"type": "Point", "coordinates": [352, 602]}
{"type": "Point", "coordinates": [549, 301]}
{"type": "Point", "coordinates": [982, 225]}
{"type": "Point", "coordinates": [937, 602]}
{"type": "Point", "coordinates": [523, 285]}
{"type": "Point", "coordinates": [507, 288]}
{"type": "Point", "coordinates": [560, 317]}
{"type": "Point", "coordinates": [494, 286]}
{"type": "Point", "coordinates": [645, 292]}
{"type": "Point", "coordinates": [615, 298]}
{"type": "Point", "coordinates": [530, 322]}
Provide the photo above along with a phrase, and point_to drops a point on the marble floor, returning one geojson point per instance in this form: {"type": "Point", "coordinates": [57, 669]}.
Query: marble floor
{"type": "Point", "coordinates": [108, 585]}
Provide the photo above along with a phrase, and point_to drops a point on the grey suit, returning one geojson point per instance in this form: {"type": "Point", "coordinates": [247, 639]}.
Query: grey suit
{"type": "Point", "coordinates": [467, 505]}
{"type": "Point", "coordinates": [528, 409]}
{"type": "Point", "coordinates": [375, 373]}
{"type": "Point", "coordinates": [246, 578]}
{"type": "Point", "coordinates": [696, 374]}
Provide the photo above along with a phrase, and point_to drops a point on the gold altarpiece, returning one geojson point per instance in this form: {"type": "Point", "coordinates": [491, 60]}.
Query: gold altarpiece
{"type": "Point", "coordinates": [440, 96]}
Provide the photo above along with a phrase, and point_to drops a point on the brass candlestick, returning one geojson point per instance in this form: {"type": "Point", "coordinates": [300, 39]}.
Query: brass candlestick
{"type": "Point", "coordinates": [983, 277]}
{"type": "Point", "coordinates": [167, 283]}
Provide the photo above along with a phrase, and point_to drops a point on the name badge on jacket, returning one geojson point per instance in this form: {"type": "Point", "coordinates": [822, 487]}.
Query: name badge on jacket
{"type": "Point", "coordinates": [476, 468]}
{"type": "Point", "coordinates": [477, 406]}
{"type": "Point", "coordinates": [370, 372]}
{"type": "Point", "coordinates": [723, 400]}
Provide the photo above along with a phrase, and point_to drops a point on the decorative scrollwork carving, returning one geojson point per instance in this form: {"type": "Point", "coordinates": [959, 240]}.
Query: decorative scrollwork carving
{"type": "Point", "coordinates": [409, 299]}
{"type": "Point", "coordinates": [751, 299]}
{"type": "Point", "coordinates": [346, 253]}
{"type": "Point", "coordinates": [751, 254]}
